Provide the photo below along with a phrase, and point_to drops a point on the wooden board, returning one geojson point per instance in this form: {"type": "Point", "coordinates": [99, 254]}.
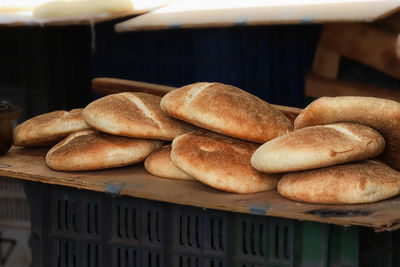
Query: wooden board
{"type": "Point", "coordinates": [317, 86]}
{"type": "Point", "coordinates": [326, 62]}
{"type": "Point", "coordinates": [194, 14]}
{"type": "Point", "coordinates": [391, 22]}
{"type": "Point", "coordinates": [29, 164]}
{"type": "Point", "coordinates": [106, 86]}
{"type": "Point", "coordinates": [365, 43]}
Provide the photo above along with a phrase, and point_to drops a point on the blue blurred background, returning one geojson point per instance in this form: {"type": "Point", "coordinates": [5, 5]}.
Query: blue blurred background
{"type": "Point", "coordinates": [49, 68]}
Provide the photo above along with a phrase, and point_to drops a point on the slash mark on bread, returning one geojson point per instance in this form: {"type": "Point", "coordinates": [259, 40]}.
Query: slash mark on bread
{"type": "Point", "coordinates": [194, 91]}
{"type": "Point", "coordinates": [139, 103]}
{"type": "Point", "coordinates": [344, 131]}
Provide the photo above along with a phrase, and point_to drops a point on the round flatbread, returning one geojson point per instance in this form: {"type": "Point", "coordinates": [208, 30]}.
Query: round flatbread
{"type": "Point", "coordinates": [93, 150]}
{"type": "Point", "coordinates": [318, 146]}
{"type": "Point", "coordinates": [381, 114]}
{"type": "Point", "coordinates": [220, 162]}
{"type": "Point", "coordinates": [159, 163]}
{"type": "Point", "coordinates": [227, 110]}
{"type": "Point", "coordinates": [49, 128]}
{"type": "Point", "coordinates": [133, 115]}
{"type": "Point", "coordinates": [360, 182]}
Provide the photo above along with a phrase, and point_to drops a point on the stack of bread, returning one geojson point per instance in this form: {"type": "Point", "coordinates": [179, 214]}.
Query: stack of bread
{"type": "Point", "coordinates": [113, 131]}
{"type": "Point", "coordinates": [233, 141]}
{"type": "Point", "coordinates": [215, 129]}
{"type": "Point", "coordinates": [233, 123]}
{"type": "Point", "coordinates": [330, 156]}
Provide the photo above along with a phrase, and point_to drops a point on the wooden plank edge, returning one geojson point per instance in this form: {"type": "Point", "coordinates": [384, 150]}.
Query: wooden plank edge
{"type": "Point", "coordinates": [391, 22]}
{"type": "Point", "coordinates": [342, 221]}
{"type": "Point", "coordinates": [389, 13]}
{"type": "Point", "coordinates": [317, 86]}
{"type": "Point", "coordinates": [287, 109]}
{"type": "Point", "coordinates": [106, 86]}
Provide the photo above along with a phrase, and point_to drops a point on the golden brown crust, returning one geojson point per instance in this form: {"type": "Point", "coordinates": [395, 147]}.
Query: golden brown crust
{"type": "Point", "coordinates": [227, 110]}
{"type": "Point", "coordinates": [49, 128]}
{"type": "Point", "coordinates": [318, 146]}
{"type": "Point", "coordinates": [159, 163]}
{"type": "Point", "coordinates": [133, 115]}
{"type": "Point", "coordinates": [93, 150]}
{"type": "Point", "coordinates": [220, 162]}
{"type": "Point", "coordinates": [381, 114]}
{"type": "Point", "coordinates": [361, 182]}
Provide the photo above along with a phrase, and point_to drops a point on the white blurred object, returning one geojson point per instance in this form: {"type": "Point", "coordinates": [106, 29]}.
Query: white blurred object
{"type": "Point", "coordinates": [224, 13]}
{"type": "Point", "coordinates": [190, 5]}
{"type": "Point", "coordinates": [64, 12]}
{"type": "Point", "coordinates": [81, 8]}
{"type": "Point", "coordinates": [14, 6]}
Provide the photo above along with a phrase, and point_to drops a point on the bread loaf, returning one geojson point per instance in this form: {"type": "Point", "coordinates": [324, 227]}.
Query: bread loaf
{"type": "Point", "coordinates": [133, 115]}
{"type": "Point", "coordinates": [221, 162]}
{"type": "Point", "coordinates": [93, 150]}
{"type": "Point", "coordinates": [318, 146]}
{"type": "Point", "coordinates": [49, 128]}
{"type": "Point", "coordinates": [159, 163]}
{"type": "Point", "coordinates": [227, 110]}
{"type": "Point", "coordinates": [360, 182]}
{"type": "Point", "coordinates": [381, 114]}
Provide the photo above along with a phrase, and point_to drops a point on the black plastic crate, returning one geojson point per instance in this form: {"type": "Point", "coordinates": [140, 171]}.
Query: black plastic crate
{"type": "Point", "coordinates": [72, 228]}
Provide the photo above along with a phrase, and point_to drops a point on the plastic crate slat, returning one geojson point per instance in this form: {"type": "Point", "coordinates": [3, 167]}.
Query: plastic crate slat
{"type": "Point", "coordinates": [245, 237]}
{"type": "Point", "coordinates": [61, 215]}
{"type": "Point", "coordinates": [89, 218]}
{"type": "Point", "coordinates": [60, 254]}
{"type": "Point", "coordinates": [196, 232]}
{"type": "Point", "coordinates": [67, 214]}
{"type": "Point", "coordinates": [158, 227]}
{"type": "Point", "coordinates": [214, 263]}
{"type": "Point", "coordinates": [262, 240]}
{"type": "Point", "coordinates": [190, 231]}
{"type": "Point", "coordinates": [71, 252]}
{"type": "Point", "coordinates": [188, 261]}
{"type": "Point", "coordinates": [72, 217]}
{"type": "Point", "coordinates": [128, 223]}
{"type": "Point", "coordinates": [153, 224]}
{"type": "Point", "coordinates": [126, 257]}
{"type": "Point", "coordinates": [182, 230]}
{"type": "Point", "coordinates": [94, 229]}
{"type": "Point", "coordinates": [151, 259]}
{"type": "Point", "coordinates": [134, 224]}
{"type": "Point", "coordinates": [121, 220]}
{"type": "Point", "coordinates": [150, 226]}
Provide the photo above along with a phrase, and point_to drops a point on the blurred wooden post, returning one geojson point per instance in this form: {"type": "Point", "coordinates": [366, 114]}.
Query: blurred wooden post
{"type": "Point", "coordinates": [376, 45]}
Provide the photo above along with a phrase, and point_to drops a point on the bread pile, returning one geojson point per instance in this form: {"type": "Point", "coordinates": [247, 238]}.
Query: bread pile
{"type": "Point", "coordinates": [339, 150]}
{"type": "Point", "coordinates": [331, 156]}
{"type": "Point", "coordinates": [231, 121]}
{"type": "Point", "coordinates": [113, 131]}
{"type": "Point", "coordinates": [215, 129]}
